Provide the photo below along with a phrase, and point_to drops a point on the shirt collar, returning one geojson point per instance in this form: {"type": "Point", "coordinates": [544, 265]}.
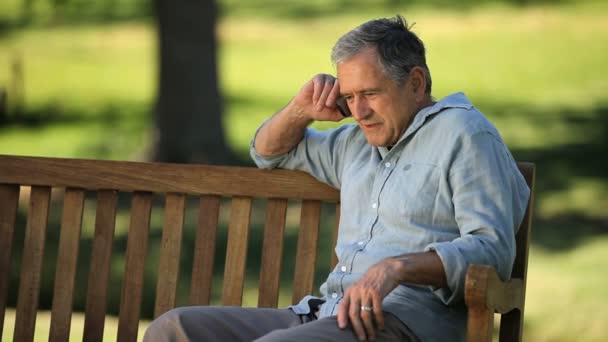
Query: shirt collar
{"type": "Point", "coordinates": [456, 100]}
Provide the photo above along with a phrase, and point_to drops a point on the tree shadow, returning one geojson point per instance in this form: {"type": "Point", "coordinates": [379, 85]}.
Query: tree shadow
{"type": "Point", "coordinates": [558, 167]}
{"type": "Point", "coordinates": [55, 113]}
{"type": "Point", "coordinates": [121, 121]}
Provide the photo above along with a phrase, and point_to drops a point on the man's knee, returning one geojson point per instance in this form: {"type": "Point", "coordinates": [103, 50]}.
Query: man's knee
{"type": "Point", "coordinates": [163, 326]}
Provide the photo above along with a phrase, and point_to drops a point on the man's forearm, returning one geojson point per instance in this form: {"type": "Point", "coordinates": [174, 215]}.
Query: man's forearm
{"type": "Point", "coordinates": [282, 132]}
{"type": "Point", "coordinates": [423, 268]}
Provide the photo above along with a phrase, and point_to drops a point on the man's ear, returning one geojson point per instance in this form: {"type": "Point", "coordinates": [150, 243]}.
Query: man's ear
{"type": "Point", "coordinates": [418, 82]}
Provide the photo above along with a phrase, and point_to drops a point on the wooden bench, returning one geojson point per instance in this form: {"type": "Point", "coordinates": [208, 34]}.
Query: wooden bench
{"type": "Point", "coordinates": [76, 178]}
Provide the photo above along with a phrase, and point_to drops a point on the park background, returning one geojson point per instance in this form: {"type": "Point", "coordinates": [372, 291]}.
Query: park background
{"type": "Point", "coordinates": [81, 79]}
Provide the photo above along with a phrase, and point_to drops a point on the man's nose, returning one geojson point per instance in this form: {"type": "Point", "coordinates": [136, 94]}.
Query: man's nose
{"type": "Point", "coordinates": [360, 108]}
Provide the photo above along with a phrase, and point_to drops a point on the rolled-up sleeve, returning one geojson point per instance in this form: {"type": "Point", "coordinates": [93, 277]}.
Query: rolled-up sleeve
{"type": "Point", "coordinates": [319, 153]}
{"type": "Point", "coordinates": [489, 196]}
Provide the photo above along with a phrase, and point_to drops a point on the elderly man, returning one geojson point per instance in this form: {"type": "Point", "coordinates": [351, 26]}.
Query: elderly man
{"type": "Point", "coordinates": [427, 188]}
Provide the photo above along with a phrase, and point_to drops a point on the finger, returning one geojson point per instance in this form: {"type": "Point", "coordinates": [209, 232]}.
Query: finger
{"type": "Point", "coordinates": [355, 320]}
{"type": "Point", "coordinates": [367, 315]}
{"type": "Point", "coordinates": [367, 318]}
{"type": "Point", "coordinates": [378, 315]}
{"type": "Point", "coordinates": [333, 95]}
{"type": "Point", "coordinates": [343, 313]}
{"type": "Point", "coordinates": [317, 87]}
{"type": "Point", "coordinates": [327, 87]}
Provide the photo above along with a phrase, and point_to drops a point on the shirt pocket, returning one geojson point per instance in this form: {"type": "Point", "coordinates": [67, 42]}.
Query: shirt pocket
{"type": "Point", "coordinates": [413, 190]}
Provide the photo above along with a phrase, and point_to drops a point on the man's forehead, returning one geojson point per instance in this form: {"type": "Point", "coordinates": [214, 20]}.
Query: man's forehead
{"type": "Point", "coordinates": [358, 75]}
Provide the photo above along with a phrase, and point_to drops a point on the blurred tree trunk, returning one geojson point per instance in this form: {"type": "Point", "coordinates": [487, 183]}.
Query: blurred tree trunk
{"type": "Point", "coordinates": [189, 106]}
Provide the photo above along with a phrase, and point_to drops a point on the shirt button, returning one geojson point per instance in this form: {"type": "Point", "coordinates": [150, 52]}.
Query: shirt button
{"type": "Point", "coordinates": [343, 268]}
{"type": "Point", "coordinates": [360, 243]}
{"type": "Point", "coordinates": [374, 205]}
{"type": "Point", "coordinates": [334, 295]}
{"type": "Point", "coordinates": [387, 165]}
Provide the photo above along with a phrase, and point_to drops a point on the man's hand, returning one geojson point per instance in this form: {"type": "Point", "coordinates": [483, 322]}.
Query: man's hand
{"type": "Point", "coordinates": [317, 99]}
{"type": "Point", "coordinates": [368, 292]}
{"type": "Point", "coordinates": [423, 268]}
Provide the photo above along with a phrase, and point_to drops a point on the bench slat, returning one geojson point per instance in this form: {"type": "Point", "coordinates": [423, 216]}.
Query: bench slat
{"type": "Point", "coordinates": [163, 178]}
{"type": "Point", "coordinates": [306, 257]}
{"type": "Point", "coordinates": [99, 273]}
{"type": "Point", "coordinates": [71, 223]}
{"type": "Point", "coordinates": [137, 247]}
{"type": "Point", "coordinates": [234, 270]}
{"type": "Point", "coordinates": [334, 257]}
{"type": "Point", "coordinates": [204, 251]}
{"type": "Point", "coordinates": [31, 265]}
{"type": "Point", "coordinates": [168, 266]}
{"type": "Point", "coordinates": [272, 253]}
{"type": "Point", "coordinates": [9, 197]}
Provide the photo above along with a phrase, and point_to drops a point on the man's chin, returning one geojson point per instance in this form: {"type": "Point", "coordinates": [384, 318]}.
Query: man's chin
{"type": "Point", "coordinates": [376, 143]}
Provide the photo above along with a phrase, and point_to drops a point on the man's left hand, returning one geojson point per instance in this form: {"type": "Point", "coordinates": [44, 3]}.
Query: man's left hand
{"type": "Point", "coordinates": [362, 302]}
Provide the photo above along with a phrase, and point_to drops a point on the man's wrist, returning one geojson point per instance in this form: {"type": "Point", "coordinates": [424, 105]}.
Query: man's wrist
{"type": "Point", "coordinates": [398, 267]}
{"type": "Point", "coordinates": [299, 114]}
{"type": "Point", "coordinates": [423, 268]}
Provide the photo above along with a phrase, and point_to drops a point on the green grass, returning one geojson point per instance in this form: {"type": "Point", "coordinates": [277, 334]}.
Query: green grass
{"type": "Point", "coordinates": [567, 294]}
{"type": "Point", "coordinates": [538, 72]}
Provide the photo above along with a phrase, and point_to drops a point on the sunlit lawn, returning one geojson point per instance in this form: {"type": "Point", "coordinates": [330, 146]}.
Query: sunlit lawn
{"type": "Point", "coordinates": [539, 73]}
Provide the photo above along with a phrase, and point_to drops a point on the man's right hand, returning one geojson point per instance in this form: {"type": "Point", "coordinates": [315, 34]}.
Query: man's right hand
{"type": "Point", "coordinates": [317, 99]}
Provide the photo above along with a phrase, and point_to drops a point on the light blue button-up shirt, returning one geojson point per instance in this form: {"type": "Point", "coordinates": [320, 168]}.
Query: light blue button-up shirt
{"type": "Point", "coordinates": [449, 185]}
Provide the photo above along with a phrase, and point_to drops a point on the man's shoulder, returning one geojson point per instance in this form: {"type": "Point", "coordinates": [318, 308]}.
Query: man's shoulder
{"type": "Point", "coordinates": [463, 121]}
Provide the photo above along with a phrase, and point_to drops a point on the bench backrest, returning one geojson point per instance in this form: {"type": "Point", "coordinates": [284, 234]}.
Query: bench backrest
{"type": "Point", "coordinates": [79, 178]}
{"type": "Point", "coordinates": [107, 178]}
{"type": "Point", "coordinates": [512, 323]}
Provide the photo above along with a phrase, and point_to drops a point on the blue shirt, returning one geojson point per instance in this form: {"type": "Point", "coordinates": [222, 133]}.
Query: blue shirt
{"type": "Point", "coordinates": [449, 185]}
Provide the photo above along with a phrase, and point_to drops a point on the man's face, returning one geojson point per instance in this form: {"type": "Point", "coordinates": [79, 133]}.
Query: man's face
{"type": "Point", "coordinates": [382, 108]}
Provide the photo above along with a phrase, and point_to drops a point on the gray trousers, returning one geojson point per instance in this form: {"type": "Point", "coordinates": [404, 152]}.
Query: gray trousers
{"type": "Point", "coordinates": [227, 324]}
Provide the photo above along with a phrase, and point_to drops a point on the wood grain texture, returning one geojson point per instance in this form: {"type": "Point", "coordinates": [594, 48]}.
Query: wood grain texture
{"type": "Point", "coordinates": [71, 223]}
{"type": "Point", "coordinates": [485, 289]}
{"type": "Point", "coordinates": [480, 322]}
{"type": "Point", "coordinates": [306, 255]}
{"type": "Point", "coordinates": [9, 201]}
{"type": "Point", "coordinates": [168, 266]}
{"type": "Point", "coordinates": [236, 254]}
{"type": "Point", "coordinates": [486, 294]}
{"type": "Point", "coordinates": [31, 264]}
{"type": "Point", "coordinates": [272, 253]}
{"type": "Point", "coordinates": [204, 251]}
{"type": "Point", "coordinates": [99, 273]}
{"type": "Point", "coordinates": [163, 177]}
{"type": "Point", "coordinates": [137, 247]}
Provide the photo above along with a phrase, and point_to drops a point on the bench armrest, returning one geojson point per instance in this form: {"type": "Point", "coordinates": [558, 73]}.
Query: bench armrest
{"type": "Point", "coordinates": [485, 293]}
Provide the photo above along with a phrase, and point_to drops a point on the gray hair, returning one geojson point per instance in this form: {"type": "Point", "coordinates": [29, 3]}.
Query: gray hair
{"type": "Point", "coordinates": [399, 49]}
